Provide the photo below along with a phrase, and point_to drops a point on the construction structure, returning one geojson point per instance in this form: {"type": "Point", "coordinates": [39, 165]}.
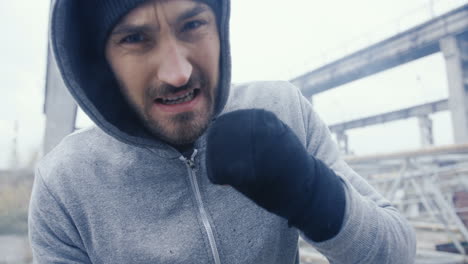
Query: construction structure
{"type": "Point", "coordinates": [447, 33]}
{"type": "Point", "coordinates": [429, 185]}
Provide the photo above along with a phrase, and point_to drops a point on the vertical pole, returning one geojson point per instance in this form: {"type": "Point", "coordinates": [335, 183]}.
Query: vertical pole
{"type": "Point", "coordinates": [458, 95]}
{"type": "Point", "coordinates": [431, 9]}
{"type": "Point", "coordinates": [342, 139]}
{"type": "Point", "coordinates": [14, 148]}
{"type": "Point", "coordinates": [425, 128]}
{"type": "Point", "coordinates": [59, 107]}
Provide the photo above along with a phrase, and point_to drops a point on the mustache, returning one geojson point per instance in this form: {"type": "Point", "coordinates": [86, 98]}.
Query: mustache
{"type": "Point", "coordinates": [165, 89]}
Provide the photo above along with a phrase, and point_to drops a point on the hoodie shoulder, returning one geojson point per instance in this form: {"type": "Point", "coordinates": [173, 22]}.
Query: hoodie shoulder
{"type": "Point", "coordinates": [78, 152]}
{"type": "Point", "coordinates": [269, 95]}
{"type": "Point", "coordinates": [280, 97]}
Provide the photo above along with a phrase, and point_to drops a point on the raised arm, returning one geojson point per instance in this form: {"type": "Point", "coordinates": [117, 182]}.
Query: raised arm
{"type": "Point", "coordinates": [373, 231]}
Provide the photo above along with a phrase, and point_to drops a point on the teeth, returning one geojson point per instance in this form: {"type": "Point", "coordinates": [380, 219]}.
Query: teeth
{"type": "Point", "coordinates": [181, 99]}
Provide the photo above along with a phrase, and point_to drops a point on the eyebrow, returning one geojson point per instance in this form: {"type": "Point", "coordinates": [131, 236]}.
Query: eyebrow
{"type": "Point", "coordinates": [130, 28]}
{"type": "Point", "coordinates": [198, 9]}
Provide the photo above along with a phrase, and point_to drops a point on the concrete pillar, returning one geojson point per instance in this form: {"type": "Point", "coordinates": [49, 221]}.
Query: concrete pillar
{"type": "Point", "coordinates": [456, 54]}
{"type": "Point", "coordinates": [14, 149]}
{"type": "Point", "coordinates": [425, 128]}
{"type": "Point", "coordinates": [59, 108]}
{"type": "Point", "coordinates": [342, 139]}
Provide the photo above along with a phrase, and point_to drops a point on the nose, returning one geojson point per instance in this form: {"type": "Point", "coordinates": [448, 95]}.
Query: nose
{"type": "Point", "coordinates": [175, 68]}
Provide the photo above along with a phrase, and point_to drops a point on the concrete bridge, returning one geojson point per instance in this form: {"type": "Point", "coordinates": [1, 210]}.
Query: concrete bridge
{"type": "Point", "coordinates": [447, 33]}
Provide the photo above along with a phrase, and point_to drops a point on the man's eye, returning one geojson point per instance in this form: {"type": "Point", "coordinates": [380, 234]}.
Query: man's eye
{"type": "Point", "coordinates": [133, 39]}
{"type": "Point", "coordinates": [192, 25]}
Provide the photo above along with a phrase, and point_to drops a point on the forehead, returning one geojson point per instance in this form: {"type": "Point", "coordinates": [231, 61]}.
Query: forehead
{"type": "Point", "coordinates": [167, 9]}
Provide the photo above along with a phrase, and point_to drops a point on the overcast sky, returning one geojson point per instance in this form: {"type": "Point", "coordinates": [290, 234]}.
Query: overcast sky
{"type": "Point", "coordinates": [271, 39]}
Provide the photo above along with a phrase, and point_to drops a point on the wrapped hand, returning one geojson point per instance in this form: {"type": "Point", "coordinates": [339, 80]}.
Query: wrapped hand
{"type": "Point", "coordinates": [261, 157]}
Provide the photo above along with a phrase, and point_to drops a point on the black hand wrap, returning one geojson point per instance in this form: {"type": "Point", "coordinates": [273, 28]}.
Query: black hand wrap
{"type": "Point", "coordinates": [261, 157]}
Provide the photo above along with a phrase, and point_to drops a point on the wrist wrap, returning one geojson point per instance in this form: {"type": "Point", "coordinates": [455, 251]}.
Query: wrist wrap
{"type": "Point", "coordinates": [261, 157]}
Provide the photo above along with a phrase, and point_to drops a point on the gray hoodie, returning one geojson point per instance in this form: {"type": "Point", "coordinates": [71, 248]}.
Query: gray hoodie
{"type": "Point", "coordinates": [115, 194]}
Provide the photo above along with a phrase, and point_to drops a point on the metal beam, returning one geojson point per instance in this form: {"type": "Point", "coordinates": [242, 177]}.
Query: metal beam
{"type": "Point", "coordinates": [415, 111]}
{"type": "Point", "coordinates": [59, 107]}
{"type": "Point", "coordinates": [428, 152]}
{"type": "Point", "coordinates": [410, 45]}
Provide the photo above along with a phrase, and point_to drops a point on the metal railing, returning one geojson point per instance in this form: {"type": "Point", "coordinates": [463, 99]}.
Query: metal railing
{"type": "Point", "coordinates": [422, 185]}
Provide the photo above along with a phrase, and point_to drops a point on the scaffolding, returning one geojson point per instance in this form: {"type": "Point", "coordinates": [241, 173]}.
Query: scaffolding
{"type": "Point", "coordinates": [425, 186]}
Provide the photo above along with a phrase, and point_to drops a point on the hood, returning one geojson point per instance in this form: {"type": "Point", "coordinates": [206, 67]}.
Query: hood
{"type": "Point", "coordinates": [88, 76]}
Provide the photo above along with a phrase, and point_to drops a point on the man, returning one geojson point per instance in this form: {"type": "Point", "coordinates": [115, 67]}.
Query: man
{"type": "Point", "coordinates": [181, 167]}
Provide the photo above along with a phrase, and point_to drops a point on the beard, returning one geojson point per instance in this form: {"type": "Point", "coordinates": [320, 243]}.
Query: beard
{"type": "Point", "coordinates": [180, 129]}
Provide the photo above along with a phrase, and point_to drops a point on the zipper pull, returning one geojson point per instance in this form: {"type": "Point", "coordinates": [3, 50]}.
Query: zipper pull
{"type": "Point", "coordinates": [190, 162]}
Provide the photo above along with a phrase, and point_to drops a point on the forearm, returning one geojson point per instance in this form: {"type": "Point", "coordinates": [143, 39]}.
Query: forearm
{"type": "Point", "coordinates": [372, 231]}
{"type": "Point", "coordinates": [369, 234]}
{"type": "Point", "coordinates": [320, 216]}
{"type": "Point", "coordinates": [312, 187]}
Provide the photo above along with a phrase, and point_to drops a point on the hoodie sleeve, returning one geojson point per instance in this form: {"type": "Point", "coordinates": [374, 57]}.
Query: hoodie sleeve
{"type": "Point", "coordinates": [373, 231]}
{"type": "Point", "coordinates": [52, 234]}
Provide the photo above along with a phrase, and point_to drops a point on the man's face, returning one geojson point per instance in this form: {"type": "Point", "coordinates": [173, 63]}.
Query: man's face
{"type": "Point", "coordinates": [165, 55]}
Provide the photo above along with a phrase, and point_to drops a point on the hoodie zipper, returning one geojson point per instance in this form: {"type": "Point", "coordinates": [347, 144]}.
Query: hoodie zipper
{"type": "Point", "coordinates": [196, 189]}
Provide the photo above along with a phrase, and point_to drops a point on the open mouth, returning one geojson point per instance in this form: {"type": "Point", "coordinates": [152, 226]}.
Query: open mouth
{"type": "Point", "coordinates": [180, 99]}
